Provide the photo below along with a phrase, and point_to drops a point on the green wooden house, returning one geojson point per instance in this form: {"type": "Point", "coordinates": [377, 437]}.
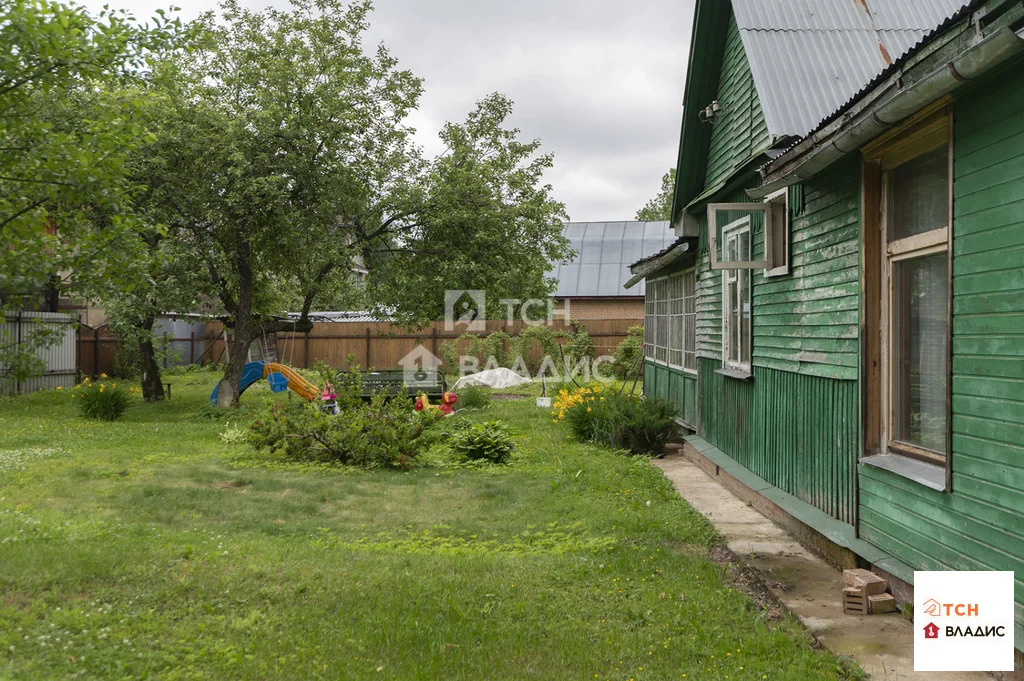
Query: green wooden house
{"type": "Point", "coordinates": [840, 321]}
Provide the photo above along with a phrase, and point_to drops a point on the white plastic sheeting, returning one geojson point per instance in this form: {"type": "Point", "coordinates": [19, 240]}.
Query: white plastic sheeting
{"type": "Point", "coordinates": [492, 378]}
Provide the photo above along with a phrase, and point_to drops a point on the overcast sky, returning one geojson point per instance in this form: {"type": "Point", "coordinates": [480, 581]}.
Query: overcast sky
{"type": "Point", "coordinates": [600, 82]}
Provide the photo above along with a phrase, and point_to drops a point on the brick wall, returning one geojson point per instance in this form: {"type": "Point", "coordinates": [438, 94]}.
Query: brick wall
{"type": "Point", "coordinates": [605, 308]}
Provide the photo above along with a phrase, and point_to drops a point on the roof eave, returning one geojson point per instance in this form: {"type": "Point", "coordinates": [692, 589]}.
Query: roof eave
{"type": "Point", "coordinates": [641, 269]}
{"type": "Point", "coordinates": [885, 106]}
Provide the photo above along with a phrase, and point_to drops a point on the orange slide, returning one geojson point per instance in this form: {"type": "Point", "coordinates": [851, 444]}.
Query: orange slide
{"type": "Point", "coordinates": [304, 388]}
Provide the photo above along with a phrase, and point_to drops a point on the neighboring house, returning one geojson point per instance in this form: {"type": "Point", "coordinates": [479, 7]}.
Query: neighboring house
{"type": "Point", "coordinates": [592, 284]}
{"type": "Point", "coordinates": [841, 320]}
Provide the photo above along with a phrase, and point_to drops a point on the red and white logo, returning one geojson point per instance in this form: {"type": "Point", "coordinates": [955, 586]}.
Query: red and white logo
{"type": "Point", "coordinates": [971, 613]}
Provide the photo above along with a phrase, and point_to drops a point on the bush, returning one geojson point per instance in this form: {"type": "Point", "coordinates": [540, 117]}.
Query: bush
{"type": "Point", "coordinates": [103, 400]}
{"type": "Point", "coordinates": [595, 414]}
{"type": "Point", "coordinates": [484, 441]}
{"type": "Point", "coordinates": [383, 433]}
{"type": "Point", "coordinates": [474, 397]}
{"type": "Point", "coordinates": [627, 363]}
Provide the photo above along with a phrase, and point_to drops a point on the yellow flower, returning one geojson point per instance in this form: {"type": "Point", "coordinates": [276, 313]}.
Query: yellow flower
{"type": "Point", "coordinates": [60, 387]}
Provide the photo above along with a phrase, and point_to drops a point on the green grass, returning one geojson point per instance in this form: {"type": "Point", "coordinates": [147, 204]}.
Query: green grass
{"type": "Point", "coordinates": [153, 548]}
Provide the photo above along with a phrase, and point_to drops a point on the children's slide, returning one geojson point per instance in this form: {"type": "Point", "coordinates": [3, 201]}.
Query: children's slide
{"type": "Point", "coordinates": [254, 371]}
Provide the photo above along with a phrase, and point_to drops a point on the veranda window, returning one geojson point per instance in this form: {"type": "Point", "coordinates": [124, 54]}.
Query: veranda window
{"type": "Point", "coordinates": [736, 297]}
{"type": "Point", "coordinates": [690, 320]}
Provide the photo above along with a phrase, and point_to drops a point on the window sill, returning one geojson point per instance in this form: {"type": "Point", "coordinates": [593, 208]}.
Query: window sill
{"type": "Point", "coordinates": [738, 374]}
{"type": "Point", "coordinates": [927, 474]}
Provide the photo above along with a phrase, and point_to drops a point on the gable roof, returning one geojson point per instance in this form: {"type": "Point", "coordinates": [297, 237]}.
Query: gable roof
{"type": "Point", "coordinates": [808, 57]}
{"type": "Point", "coordinates": [604, 253]}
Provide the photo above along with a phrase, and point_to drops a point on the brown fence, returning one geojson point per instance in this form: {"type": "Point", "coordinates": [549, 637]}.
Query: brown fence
{"type": "Point", "coordinates": [98, 348]}
{"type": "Point", "coordinates": [381, 345]}
{"type": "Point", "coordinates": [372, 344]}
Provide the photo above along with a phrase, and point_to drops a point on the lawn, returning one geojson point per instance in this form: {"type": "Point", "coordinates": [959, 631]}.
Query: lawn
{"type": "Point", "coordinates": [158, 547]}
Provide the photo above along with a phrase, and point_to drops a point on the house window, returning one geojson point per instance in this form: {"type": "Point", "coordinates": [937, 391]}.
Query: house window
{"type": "Point", "coordinates": [907, 175]}
{"type": "Point", "coordinates": [675, 321]}
{"type": "Point", "coordinates": [656, 320]}
{"type": "Point", "coordinates": [682, 308]}
{"type": "Point", "coordinates": [736, 297]}
{"type": "Point", "coordinates": [690, 320]}
{"type": "Point", "coordinates": [661, 326]}
{"type": "Point", "coordinates": [770, 218]}
{"type": "Point", "coordinates": [650, 320]}
{"type": "Point", "coordinates": [916, 199]}
{"type": "Point", "coordinates": [670, 309]}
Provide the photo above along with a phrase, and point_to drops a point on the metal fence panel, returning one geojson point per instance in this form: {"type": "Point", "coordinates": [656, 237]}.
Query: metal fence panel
{"type": "Point", "coordinates": [60, 358]}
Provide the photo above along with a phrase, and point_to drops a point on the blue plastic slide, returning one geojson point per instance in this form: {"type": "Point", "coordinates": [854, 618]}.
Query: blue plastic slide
{"type": "Point", "coordinates": [252, 372]}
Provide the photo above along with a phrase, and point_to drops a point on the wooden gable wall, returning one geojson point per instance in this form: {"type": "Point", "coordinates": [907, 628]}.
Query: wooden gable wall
{"type": "Point", "coordinates": [739, 131]}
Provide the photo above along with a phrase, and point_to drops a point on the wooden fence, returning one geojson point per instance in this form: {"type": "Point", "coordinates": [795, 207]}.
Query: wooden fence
{"type": "Point", "coordinates": [381, 345]}
{"type": "Point", "coordinates": [98, 348]}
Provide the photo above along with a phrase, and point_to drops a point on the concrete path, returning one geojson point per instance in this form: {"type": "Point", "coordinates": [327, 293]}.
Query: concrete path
{"type": "Point", "coordinates": [882, 645]}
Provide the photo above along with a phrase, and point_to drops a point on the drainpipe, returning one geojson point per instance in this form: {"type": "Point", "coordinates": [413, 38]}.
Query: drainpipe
{"type": "Point", "coordinates": [875, 120]}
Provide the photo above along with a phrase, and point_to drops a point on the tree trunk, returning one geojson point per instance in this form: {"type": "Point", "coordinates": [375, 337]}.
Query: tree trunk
{"type": "Point", "coordinates": [152, 386]}
{"type": "Point", "coordinates": [228, 392]}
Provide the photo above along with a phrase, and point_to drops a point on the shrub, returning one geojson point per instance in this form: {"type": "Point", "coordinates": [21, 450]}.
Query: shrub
{"type": "Point", "coordinates": [484, 441]}
{"type": "Point", "coordinates": [627, 363]}
{"type": "Point", "coordinates": [103, 400]}
{"type": "Point", "coordinates": [642, 426]}
{"type": "Point", "coordinates": [474, 397]}
{"type": "Point", "coordinates": [383, 433]}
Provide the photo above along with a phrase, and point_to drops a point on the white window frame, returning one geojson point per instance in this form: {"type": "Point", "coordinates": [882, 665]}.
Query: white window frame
{"type": "Point", "coordinates": [690, 320]}
{"type": "Point", "coordinates": [713, 208]}
{"type": "Point", "coordinates": [675, 320]}
{"type": "Point", "coordinates": [778, 263]}
{"type": "Point", "coordinates": [650, 320]}
{"type": "Point", "coordinates": [661, 349]}
{"type": "Point", "coordinates": [741, 277]}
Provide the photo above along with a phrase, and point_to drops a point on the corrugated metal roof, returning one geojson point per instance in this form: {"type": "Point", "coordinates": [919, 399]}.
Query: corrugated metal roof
{"type": "Point", "coordinates": [808, 57]}
{"type": "Point", "coordinates": [606, 250]}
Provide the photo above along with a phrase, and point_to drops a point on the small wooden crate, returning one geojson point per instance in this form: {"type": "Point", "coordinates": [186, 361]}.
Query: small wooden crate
{"type": "Point", "coordinates": [855, 600]}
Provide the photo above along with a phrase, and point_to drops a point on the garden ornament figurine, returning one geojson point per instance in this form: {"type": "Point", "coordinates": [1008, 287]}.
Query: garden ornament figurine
{"type": "Point", "coordinates": [448, 399]}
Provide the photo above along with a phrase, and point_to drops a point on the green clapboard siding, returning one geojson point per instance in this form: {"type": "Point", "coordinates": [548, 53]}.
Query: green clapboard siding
{"type": "Point", "coordinates": [674, 385]}
{"type": "Point", "coordinates": [807, 321]}
{"type": "Point", "coordinates": [797, 431]}
{"type": "Point", "coordinates": [980, 525]}
{"type": "Point", "coordinates": [739, 131]}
